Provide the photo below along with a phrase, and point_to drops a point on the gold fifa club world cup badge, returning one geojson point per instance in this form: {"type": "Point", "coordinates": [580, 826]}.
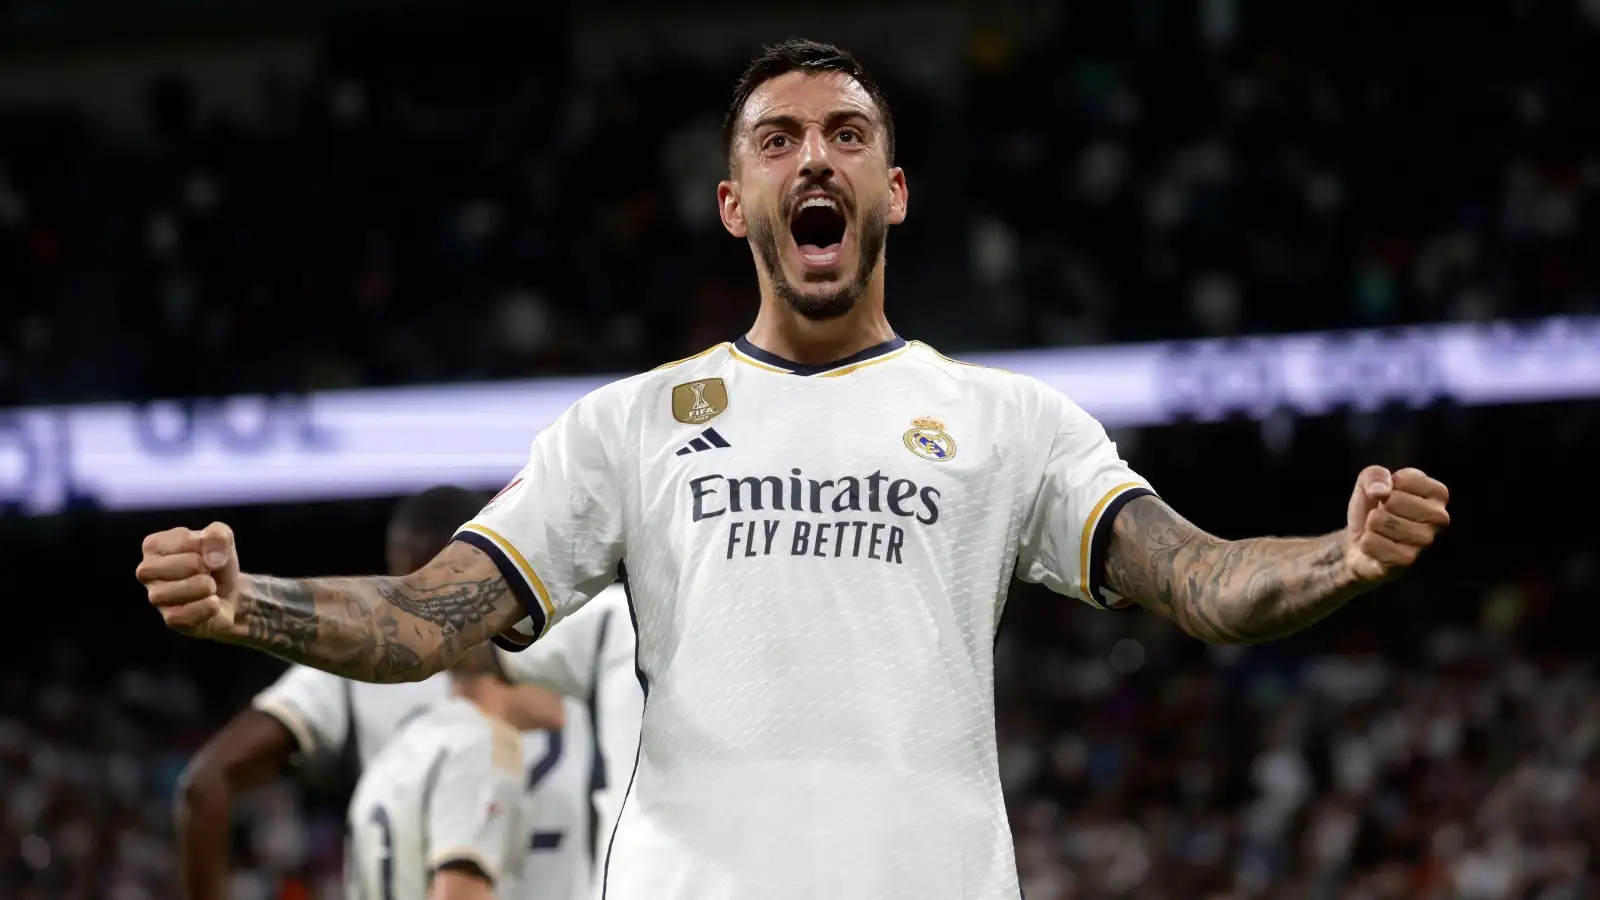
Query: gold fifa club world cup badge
{"type": "Point", "coordinates": [698, 402]}
{"type": "Point", "coordinates": [928, 439]}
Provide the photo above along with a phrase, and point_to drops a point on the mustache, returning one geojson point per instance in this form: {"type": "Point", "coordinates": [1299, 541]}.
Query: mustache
{"type": "Point", "coordinates": [828, 188]}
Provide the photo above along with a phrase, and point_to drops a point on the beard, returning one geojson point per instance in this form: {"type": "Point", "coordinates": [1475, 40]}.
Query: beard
{"type": "Point", "coordinates": [831, 304]}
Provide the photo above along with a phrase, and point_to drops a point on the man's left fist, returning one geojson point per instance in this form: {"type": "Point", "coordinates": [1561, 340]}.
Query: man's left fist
{"type": "Point", "coordinates": [1392, 517]}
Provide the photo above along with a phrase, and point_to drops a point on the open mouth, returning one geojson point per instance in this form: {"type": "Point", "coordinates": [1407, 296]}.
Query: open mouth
{"type": "Point", "coordinates": [818, 228]}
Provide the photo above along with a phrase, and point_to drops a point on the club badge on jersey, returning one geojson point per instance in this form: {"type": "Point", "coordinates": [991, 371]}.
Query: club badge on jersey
{"type": "Point", "coordinates": [928, 439]}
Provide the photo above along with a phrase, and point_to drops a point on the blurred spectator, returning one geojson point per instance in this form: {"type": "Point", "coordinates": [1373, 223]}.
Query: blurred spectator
{"type": "Point", "coordinates": [1123, 172]}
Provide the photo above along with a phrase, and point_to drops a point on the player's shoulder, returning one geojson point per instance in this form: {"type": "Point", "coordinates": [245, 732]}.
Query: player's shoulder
{"type": "Point", "coordinates": [714, 356]}
{"type": "Point", "coordinates": [401, 762]}
{"type": "Point", "coordinates": [625, 394]}
{"type": "Point", "coordinates": [307, 678]}
{"type": "Point", "coordinates": [713, 362]}
{"type": "Point", "coordinates": [988, 382]}
{"type": "Point", "coordinates": [473, 735]}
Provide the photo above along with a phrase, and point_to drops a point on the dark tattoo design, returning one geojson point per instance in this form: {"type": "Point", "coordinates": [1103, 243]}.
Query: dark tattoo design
{"type": "Point", "coordinates": [453, 606]}
{"type": "Point", "coordinates": [378, 629]}
{"type": "Point", "coordinates": [281, 616]}
{"type": "Point", "coordinates": [1224, 592]}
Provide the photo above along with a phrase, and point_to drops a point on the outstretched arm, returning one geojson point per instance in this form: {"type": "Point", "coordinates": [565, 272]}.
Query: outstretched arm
{"type": "Point", "coordinates": [1245, 591]}
{"type": "Point", "coordinates": [1224, 592]}
{"type": "Point", "coordinates": [374, 628]}
{"type": "Point", "coordinates": [378, 628]}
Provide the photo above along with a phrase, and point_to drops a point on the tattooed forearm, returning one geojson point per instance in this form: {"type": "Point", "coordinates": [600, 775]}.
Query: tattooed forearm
{"type": "Point", "coordinates": [1224, 592]}
{"type": "Point", "coordinates": [378, 629]}
{"type": "Point", "coordinates": [278, 615]}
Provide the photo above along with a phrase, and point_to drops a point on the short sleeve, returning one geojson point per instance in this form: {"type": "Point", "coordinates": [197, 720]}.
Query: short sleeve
{"type": "Point", "coordinates": [555, 531]}
{"type": "Point", "coordinates": [1082, 485]}
{"type": "Point", "coordinates": [311, 704]}
{"type": "Point", "coordinates": [472, 805]}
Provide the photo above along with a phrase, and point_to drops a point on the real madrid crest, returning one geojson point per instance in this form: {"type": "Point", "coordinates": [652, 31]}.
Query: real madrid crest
{"type": "Point", "coordinates": [928, 439]}
{"type": "Point", "coordinates": [698, 402]}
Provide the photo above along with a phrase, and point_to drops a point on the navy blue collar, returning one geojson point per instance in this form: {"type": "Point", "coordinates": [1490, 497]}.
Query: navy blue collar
{"type": "Point", "coordinates": [744, 346]}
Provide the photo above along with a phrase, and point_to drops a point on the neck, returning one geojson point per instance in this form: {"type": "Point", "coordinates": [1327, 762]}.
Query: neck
{"type": "Point", "coordinates": [784, 332]}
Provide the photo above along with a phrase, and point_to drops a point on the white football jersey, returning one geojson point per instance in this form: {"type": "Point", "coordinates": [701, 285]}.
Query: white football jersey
{"type": "Point", "coordinates": [590, 658]}
{"type": "Point", "coordinates": [557, 818]}
{"type": "Point", "coordinates": [318, 708]}
{"type": "Point", "coordinates": [817, 558]}
{"type": "Point", "coordinates": [449, 790]}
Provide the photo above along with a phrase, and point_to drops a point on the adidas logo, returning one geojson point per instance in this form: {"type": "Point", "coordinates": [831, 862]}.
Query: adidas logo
{"type": "Point", "coordinates": [707, 439]}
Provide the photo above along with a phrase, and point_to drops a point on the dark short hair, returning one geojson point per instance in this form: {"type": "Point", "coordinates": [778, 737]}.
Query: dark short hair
{"type": "Point", "coordinates": [431, 518]}
{"type": "Point", "coordinates": [811, 57]}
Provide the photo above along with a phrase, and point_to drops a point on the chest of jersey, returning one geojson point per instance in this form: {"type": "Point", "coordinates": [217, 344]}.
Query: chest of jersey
{"type": "Point", "coordinates": [870, 467]}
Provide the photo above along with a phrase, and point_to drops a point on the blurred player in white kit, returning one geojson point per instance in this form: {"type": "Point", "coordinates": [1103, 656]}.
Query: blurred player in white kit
{"type": "Point", "coordinates": [589, 660]}
{"type": "Point", "coordinates": [309, 714]}
{"type": "Point", "coordinates": [438, 814]}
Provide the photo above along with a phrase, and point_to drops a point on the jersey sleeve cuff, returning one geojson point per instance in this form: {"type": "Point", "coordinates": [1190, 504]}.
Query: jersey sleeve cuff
{"type": "Point", "coordinates": [1097, 537]}
{"type": "Point", "coordinates": [524, 585]}
{"type": "Point", "coordinates": [512, 641]}
{"type": "Point", "coordinates": [467, 855]}
{"type": "Point", "coordinates": [290, 719]}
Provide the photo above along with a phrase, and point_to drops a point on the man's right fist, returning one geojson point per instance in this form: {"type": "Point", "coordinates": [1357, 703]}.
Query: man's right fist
{"type": "Point", "coordinates": [192, 578]}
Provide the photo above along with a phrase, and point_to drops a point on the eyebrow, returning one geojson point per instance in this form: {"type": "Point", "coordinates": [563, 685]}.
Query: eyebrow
{"type": "Point", "coordinates": [791, 123]}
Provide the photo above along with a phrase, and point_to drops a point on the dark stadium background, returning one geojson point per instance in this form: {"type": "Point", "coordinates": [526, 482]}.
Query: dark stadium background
{"type": "Point", "coordinates": [204, 199]}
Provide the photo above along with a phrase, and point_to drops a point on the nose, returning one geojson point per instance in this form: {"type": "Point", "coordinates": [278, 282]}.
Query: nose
{"type": "Point", "coordinates": [815, 162]}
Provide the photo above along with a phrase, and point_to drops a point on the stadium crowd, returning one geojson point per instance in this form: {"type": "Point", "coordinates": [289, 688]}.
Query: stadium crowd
{"type": "Point", "coordinates": [1469, 771]}
{"type": "Point", "coordinates": [1153, 170]}
{"type": "Point", "coordinates": [1122, 176]}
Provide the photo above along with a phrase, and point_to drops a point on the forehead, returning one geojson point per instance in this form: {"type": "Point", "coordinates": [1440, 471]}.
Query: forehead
{"type": "Point", "coordinates": [808, 96]}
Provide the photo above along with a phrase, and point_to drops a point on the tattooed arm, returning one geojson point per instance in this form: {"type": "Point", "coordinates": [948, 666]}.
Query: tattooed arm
{"type": "Point", "coordinates": [378, 628]}
{"type": "Point", "coordinates": [1240, 592]}
{"type": "Point", "coordinates": [371, 629]}
{"type": "Point", "coordinates": [1224, 592]}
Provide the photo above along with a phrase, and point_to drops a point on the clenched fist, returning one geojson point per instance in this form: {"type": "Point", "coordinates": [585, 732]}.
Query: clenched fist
{"type": "Point", "coordinates": [192, 578]}
{"type": "Point", "coordinates": [1392, 517]}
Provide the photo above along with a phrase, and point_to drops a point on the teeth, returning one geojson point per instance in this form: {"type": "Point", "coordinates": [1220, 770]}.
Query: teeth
{"type": "Point", "coordinates": [824, 202]}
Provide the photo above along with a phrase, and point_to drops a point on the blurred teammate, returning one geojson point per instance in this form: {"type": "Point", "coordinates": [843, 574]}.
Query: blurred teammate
{"type": "Point", "coordinates": [820, 523]}
{"type": "Point", "coordinates": [438, 814]}
{"type": "Point", "coordinates": [590, 659]}
{"type": "Point", "coordinates": [309, 714]}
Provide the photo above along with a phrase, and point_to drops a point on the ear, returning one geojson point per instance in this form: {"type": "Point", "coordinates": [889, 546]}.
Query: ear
{"type": "Point", "coordinates": [897, 195]}
{"type": "Point", "coordinates": [730, 210]}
